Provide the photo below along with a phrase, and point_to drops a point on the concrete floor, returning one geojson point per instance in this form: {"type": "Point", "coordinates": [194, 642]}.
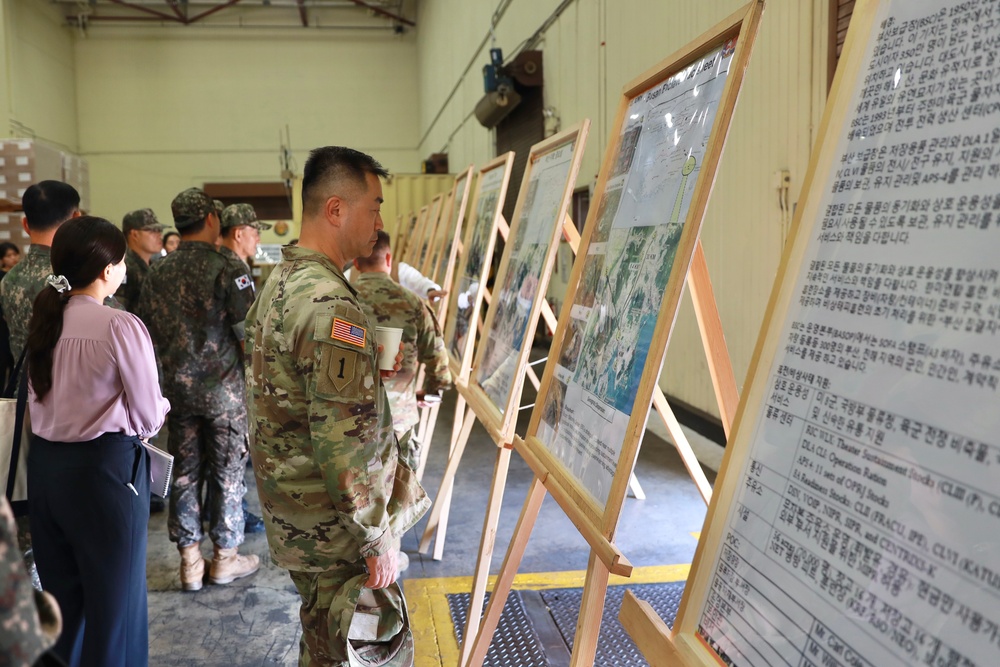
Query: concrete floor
{"type": "Point", "coordinates": [255, 621]}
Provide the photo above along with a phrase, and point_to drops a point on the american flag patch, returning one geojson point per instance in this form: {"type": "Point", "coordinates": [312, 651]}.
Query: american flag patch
{"type": "Point", "coordinates": [347, 332]}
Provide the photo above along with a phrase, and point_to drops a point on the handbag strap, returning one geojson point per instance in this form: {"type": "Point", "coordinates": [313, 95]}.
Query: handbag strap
{"type": "Point", "coordinates": [15, 448]}
{"type": "Point", "coordinates": [15, 375]}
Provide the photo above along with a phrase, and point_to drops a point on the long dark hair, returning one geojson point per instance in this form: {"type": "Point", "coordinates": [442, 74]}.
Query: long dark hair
{"type": "Point", "coordinates": [81, 249]}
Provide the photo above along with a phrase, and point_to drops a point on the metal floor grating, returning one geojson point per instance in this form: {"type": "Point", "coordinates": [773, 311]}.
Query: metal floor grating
{"type": "Point", "coordinates": [517, 642]}
{"type": "Point", "coordinates": [614, 647]}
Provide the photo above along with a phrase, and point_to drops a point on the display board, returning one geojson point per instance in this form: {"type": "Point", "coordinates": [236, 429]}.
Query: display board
{"type": "Point", "coordinates": [411, 251]}
{"type": "Point", "coordinates": [529, 254]}
{"type": "Point", "coordinates": [855, 515]}
{"type": "Point", "coordinates": [626, 285]}
{"type": "Point", "coordinates": [427, 228]}
{"type": "Point", "coordinates": [466, 297]}
{"type": "Point", "coordinates": [434, 243]}
{"type": "Point", "coordinates": [443, 271]}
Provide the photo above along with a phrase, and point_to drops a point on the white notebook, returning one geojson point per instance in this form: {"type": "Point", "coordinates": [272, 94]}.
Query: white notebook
{"type": "Point", "coordinates": [161, 466]}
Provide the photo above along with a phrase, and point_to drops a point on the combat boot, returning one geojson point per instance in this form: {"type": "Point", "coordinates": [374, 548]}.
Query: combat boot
{"type": "Point", "coordinates": [227, 565]}
{"type": "Point", "coordinates": [192, 567]}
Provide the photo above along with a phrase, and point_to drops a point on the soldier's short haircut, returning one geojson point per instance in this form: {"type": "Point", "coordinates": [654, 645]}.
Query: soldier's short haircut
{"type": "Point", "coordinates": [334, 168]}
{"type": "Point", "coordinates": [382, 245]}
{"type": "Point", "coordinates": [48, 204]}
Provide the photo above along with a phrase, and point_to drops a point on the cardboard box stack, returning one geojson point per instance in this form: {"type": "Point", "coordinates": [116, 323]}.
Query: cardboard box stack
{"type": "Point", "coordinates": [25, 161]}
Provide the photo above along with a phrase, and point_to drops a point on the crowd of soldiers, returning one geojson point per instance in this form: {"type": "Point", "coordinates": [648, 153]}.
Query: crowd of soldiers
{"type": "Point", "coordinates": [290, 379]}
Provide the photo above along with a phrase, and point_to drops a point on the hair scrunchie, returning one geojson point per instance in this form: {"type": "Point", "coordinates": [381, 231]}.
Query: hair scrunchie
{"type": "Point", "coordinates": [58, 283]}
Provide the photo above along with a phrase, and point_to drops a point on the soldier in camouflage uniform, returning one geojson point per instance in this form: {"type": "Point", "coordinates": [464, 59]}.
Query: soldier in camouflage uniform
{"type": "Point", "coordinates": [30, 620]}
{"type": "Point", "coordinates": [191, 303]}
{"type": "Point", "coordinates": [142, 231]}
{"type": "Point", "coordinates": [335, 494]}
{"type": "Point", "coordinates": [388, 304]}
{"type": "Point", "coordinates": [240, 236]}
{"type": "Point", "coordinates": [47, 205]}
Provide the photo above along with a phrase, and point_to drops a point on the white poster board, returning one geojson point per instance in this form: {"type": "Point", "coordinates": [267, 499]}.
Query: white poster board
{"type": "Point", "coordinates": [628, 263]}
{"type": "Point", "coordinates": [860, 522]}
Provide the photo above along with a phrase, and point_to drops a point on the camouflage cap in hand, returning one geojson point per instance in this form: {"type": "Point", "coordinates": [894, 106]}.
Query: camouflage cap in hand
{"type": "Point", "coordinates": [142, 220]}
{"type": "Point", "coordinates": [190, 207]}
{"type": "Point", "coordinates": [239, 215]}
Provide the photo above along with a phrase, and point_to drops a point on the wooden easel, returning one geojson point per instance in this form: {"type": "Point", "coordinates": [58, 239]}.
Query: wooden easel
{"type": "Point", "coordinates": [597, 521]}
{"type": "Point", "coordinates": [447, 255]}
{"type": "Point", "coordinates": [572, 139]}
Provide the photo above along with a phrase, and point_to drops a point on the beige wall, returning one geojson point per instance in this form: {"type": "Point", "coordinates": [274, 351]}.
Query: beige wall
{"type": "Point", "coordinates": [590, 53]}
{"type": "Point", "coordinates": [160, 111]}
{"type": "Point", "coordinates": [39, 89]}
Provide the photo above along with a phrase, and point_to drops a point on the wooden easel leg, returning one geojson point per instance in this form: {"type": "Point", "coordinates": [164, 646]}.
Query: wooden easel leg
{"type": "Point", "coordinates": [720, 366]}
{"type": "Point", "coordinates": [501, 589]}
{"type": "Point", "coordinates": [427, 435]}
{"type": "Point", "coordinates": [682, 445]}
{"type": "Point", "coordinates": [487, 543]}
{"type": "Point", "coordinates": [437, 524]}
{"type": "Point", "coordinates": [588, 625]}
{"type": "Point", "coordinates": [635, 488]}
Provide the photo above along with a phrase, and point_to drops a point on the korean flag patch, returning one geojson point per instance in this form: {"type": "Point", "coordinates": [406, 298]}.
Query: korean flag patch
{"type": "Point", "coordinates": [244, 282]}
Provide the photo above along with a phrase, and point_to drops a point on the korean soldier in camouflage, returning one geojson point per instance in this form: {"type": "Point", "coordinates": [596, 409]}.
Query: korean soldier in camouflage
{"type": "Point", "coordinates": [191, 304]}
{"type": "Point", "coordinates": [47, 205]}
{"type": "Point", "coordinates": [388, 304]}
{"type": "Point", "coordinates": [30, 621]}
{"type": "Point", "coordinates": [142, 231]}
{"type": "Point", "coordinates": [336, 496]}
{"type": "Point", "coordinates": [240, 236]}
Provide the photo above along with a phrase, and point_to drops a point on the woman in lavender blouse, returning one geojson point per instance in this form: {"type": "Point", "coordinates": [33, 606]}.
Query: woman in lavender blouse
{"type": "Point", "coordinates": [93, 394]}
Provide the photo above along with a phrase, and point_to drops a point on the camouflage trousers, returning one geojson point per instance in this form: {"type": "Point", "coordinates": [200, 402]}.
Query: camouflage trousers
{"type": "Point", "coordinates": [212, 450]}
{"type": "Point", "coordinates": [337, 609]}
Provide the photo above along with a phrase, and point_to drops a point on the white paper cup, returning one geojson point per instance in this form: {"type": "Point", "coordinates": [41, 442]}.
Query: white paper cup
{"type": "Point", "coordinates": [389, 338]}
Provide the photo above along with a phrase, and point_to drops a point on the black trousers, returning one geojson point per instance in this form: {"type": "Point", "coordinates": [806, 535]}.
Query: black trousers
{"type": "Point", "coordinates": [88, 503]}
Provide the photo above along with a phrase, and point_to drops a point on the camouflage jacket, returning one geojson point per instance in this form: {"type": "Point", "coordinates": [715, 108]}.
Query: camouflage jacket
{"type": "Point", "coordinates": [192, 306]}
{"type": "Point", "coordinates": [136, 271]}
{"type": "Point", "coordinates": [18, 291]}
{"type": "Point", "coordinates": [388, 304]}
{"type": "Point", "coordinates": [24, 635]}
{"type": "Point", "coordinates": [323, 448]}
{"type": "Point", "coordinates": [239, 275]}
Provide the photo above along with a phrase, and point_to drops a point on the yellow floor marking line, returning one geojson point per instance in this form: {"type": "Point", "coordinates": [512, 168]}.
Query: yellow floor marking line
{"type": "Point", "coordinates": [430, 616]}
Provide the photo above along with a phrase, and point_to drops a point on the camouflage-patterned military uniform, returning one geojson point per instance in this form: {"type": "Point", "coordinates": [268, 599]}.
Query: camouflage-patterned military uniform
{"type": "Point", "coordinates": [191, 304]}
{"type": "Point", "coordinates": [325, 456]}
{"type": "Point", "coordinates": [18, 291]}
{"type": "Point", "coordinates": [388, 304]}
{"type": "Point", "coordinates": [135, 274]}
{"type": "Point", "coordinates": [28, 619]}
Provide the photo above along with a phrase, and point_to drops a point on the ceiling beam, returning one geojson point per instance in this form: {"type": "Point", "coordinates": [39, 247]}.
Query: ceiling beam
{"type": "Point", "coordinates": [302, 13]}
{"type": "Point", "coordinates": [383, 12]}
{"type": "Point", "coordinates": [209, 12]}
{"type": "Point", "coordinates": [177, 10]}
{"type": "Point", "coordinates": [140, 8]}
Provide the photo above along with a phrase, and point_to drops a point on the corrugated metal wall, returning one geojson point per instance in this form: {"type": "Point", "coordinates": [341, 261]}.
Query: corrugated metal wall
{"type": "Point", "coordinates": [408, 192]}
{"type": "Point", "coordinates": [590, 53]}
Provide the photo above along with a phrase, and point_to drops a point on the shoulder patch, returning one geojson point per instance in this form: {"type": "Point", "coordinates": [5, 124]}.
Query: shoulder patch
{"type": "Point", "coordinates": [347, 332]}
{"type": "Point", "coordinates": [243, 282]}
